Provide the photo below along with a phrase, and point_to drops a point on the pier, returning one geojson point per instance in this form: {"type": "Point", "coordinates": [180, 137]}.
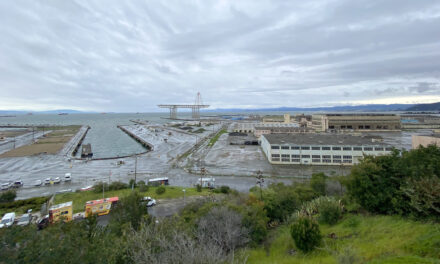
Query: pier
{"type": "Point", "coordinates": [72, 146]}
{"type": "Point", "coordinates": [135, 137]}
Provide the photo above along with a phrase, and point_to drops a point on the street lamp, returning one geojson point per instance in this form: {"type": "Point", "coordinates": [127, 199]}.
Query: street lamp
{"type": "Point", "coordinates": [184, 196]}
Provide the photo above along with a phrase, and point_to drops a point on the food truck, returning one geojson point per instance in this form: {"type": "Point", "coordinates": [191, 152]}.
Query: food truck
{"type": "Point", "coordinates": [100, 207]}
{"type": "Point", "coordinates": [158, 181]}
{"type": "Point", "coordinates": [59, 212]}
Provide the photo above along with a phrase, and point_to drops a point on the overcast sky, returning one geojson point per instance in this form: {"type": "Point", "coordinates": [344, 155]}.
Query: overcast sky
{"type": "Point", "coordinates": [129, 56]}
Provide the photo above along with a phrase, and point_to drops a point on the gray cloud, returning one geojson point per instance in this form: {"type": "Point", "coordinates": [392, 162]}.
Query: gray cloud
{"type": "Point", "coordinates": [132, 55]}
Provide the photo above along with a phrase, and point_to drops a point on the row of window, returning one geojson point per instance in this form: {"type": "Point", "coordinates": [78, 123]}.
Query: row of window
{"type": "Point", "coordinates": [332, 148]}
{"type": "Point", "coordinates": [293, 156]}
{"type": "Point", "coordinates": [295, 160]}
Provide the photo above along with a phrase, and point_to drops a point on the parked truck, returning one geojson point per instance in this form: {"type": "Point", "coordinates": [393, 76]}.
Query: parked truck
{"type": "Point", "coordinates": [100, 207]}
{"type": "Point", "coordinates": [62, 212]}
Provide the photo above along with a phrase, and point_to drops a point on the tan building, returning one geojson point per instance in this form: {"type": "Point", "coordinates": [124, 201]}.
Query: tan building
{"type": "Point", "coordinates": [356, 122]}
{"type": "Point", "coordinates": [425, 140]}
{"type": "Point", "coordinates": [265, 130]}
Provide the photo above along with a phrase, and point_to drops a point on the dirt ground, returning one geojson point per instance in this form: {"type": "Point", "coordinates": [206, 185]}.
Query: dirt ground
{"type": "Point", "coordinates": [51, 143]}
{"type": "Point", "coordinates": [13, 133]}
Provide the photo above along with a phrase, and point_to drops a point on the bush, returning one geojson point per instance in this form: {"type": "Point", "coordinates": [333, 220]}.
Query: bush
{"type": "Point", "coordinates": [199, 187]}
{"type": "Point", "coordinates": [132, 183]}
{"type": "Point", "coordinates": [8, 196]}
{"type": "Point", "coordinates": [280, 201]}
{"type": "Point", "coordinates": [97, 187]}
{"type": "Point", "coordinates": [160, 190]}
{"type": "Point", "coordinates": [225, 189]}
{"type": "Point", "coordinates": [305, 233]}
{"type": "Point", "coordinates": [117, 185]}
{"type": "Point", "coordinates": [318, 183]}
{"type": "Point", "coordinates": [143, 188]}
{"type": "Point", "coordinates": [329, 212]}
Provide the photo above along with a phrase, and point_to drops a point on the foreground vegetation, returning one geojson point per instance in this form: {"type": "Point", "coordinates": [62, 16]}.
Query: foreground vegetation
{"type": "Point", "coordinates": [388, 214]}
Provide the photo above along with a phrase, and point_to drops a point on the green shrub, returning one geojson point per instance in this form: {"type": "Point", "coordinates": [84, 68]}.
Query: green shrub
{"type": "Point", "coordinates": [143, 188]}
{"type": "Point", "coordinates": [225, 189]}
{"type": "Point", "coordinates": [160, 190]}
{"type": "Point", "coordinates": [199, 187]}
{"type": "Point", "coordinates": [329, 212]}
{"type": "Point", "coordinates": [97, 187]}
{"type": "Point", "coordinates": [132, 183]}
{"type": "Point", "coordinates": [305, 233]}
{"type": "Point", "coordinates": [117, 185]}
{"type": "Point", "coordinates": [280, 201]}
{"type": "Point", "coordinates": [8, 196]}
{"type": "Point", "coordinates": [352, 222]}
{"type": "Point", "coordinates": [318, 183]}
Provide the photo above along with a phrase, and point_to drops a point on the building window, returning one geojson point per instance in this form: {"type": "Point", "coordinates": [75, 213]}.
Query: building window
{"type": "Point", "coordinates": [326, 156]}
{"type": "Point", "coordinates": [361, 127]}
{"type": "Point", "coordinates": [305, 148]}
{"type": "Point", "coordinates": [285, 156]}
{"type": "Point", "coordinates": [336, 148]}
{"type": "Point", "coordinates": [325, 148]}
{"type": "Point", "coordinates": [331, 127]}
{"type": "Point", "coordinates": [367, 127]}
{"type": "Point", "coordinates": [347, 161]}
{"type": "Point", "coordinates": [316, 156]}
{"type": "Point", "coordinates": [275, 147]}
{"type": "Point", "coordinates": [275, 155]}
{"type": "Point", "coordinates": [357, 148]}
{"type": "Point", "coordinates": [305, 156]}
{"type": "Point", "coordinates": [378, 148]}
{"type": "Point", "coordinates": [295, 160]}
{"type": "Point", "coordinates": [295, 156]}
{"type": "Point", "coordinates": [336, 161]}
{"type": "Point", "coordinates": [316, 160]}
{"type": "Point", "coordinates": [326, 161]}
{"type": "Point", "coordinates": [346, 157]}
{"type": "Point", "coordinates": [368, 149]}
{"type": "Point", "coordinates": [350, 127]}
{"type": "Point", "coordinates": [388, 148]}
{"type": "Point", "coordinates": [285, 160]}
{"type": "Point", "coordinates": [336, 156]}
{"type": "Point", "coordinates": [285, 147]}
{"type": "Point", "coordinates": [347, 148]}
{"type": "Point", "coordinates": [295, 147]}
{"type": "Point", "coordinates": [275, 159]}
{"type": "Point", "coordinates": [316, 148]}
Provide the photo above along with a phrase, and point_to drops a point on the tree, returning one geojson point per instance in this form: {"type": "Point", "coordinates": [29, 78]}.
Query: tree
{"type": "Point", "coordinates": [318, 183]}
{"type": "Point", "coordinates": [305, 233]}
{"type": "Point", "coordinates": [8, 196]}
{"type": "Point", "coordinates": [129, 210]}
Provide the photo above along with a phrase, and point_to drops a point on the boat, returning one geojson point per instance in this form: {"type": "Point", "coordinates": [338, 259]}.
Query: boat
{"type": "Point", "coordinates": [47, 181]}
{"type": "Point", "coordinates": [57, 180]}
{"type": "Point", "coordinates": [68, 177]}
{"type": "Point", "coordinates": [37, 183]}
{"type": "Point", "coordinates": [63, 114]}
{"type": "Point", "coordinates": [18, 184]}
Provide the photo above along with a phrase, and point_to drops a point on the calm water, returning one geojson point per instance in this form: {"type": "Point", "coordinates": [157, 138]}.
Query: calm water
{"type": "Point", "coordinates": [107, 140]}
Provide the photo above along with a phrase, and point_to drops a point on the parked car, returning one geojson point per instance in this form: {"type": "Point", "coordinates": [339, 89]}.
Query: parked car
{"type": "Point", "coordinates": [57, 180]}
{"type": "Point", "coordinates": [87, 188]}
{"type": "Point", "coordinates": [37, 183]}
{"type": "Point", "coordinates": [68, 177]}
{"type": "Point", "coordinates": [6, 186]}
{"type": "Point", "coordinates": [43, 222]}
{"type": "Point", "coordinates": [18, 184]}
{"type": "Point", "coordinates": [47, 181]}
{"type": "Point", "coordinates": [7, 220]}
{"type": "Point", "coordinates": [150, 201]}
{"type": "Point", "coordinates": [24, 220]}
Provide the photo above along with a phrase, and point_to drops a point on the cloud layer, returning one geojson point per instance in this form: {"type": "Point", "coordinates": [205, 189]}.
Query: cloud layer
{"type": "Point", "coordinates": [129, 56]}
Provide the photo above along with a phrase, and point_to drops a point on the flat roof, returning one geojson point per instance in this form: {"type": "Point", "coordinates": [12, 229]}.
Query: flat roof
{"type": "Point", "coordinates": [58, 206]}
{"type": "Point", "coordinates": [320, 139]}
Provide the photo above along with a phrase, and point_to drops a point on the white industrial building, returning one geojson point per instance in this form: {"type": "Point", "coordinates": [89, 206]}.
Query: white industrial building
{"type": "Point", "coordinates": [319, 149]}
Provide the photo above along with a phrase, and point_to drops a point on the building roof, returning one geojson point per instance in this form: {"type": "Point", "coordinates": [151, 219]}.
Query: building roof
{"type": "Point", "coordinates": [282, 128]}
{"type": "Point", "coordinates": [320, 139]}
{"type": "Point", "coordinates": [58, 206]}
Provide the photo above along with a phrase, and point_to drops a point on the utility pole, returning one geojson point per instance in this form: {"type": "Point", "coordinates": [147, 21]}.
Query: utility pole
{"type": "Point", "coordinates": [260, 181]}
{"type": "Point", "coordinates": [202, 174]}
{"type": "Point", "coordinates": [135, 171]}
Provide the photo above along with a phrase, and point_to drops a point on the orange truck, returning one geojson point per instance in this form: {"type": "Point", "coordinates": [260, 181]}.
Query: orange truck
{"type": "Point", "coordinates": [59, 212]}
{"type": "Point", "coordinates": [100, 207]}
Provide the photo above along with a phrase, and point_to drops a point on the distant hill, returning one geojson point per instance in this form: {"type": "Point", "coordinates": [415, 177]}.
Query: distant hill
{"type": "Point", "coordinates": [425, 107]}
{"type": "Point", "coordinates": [348, 108]}
{"type": "Point", "coordinates": [21, 112]}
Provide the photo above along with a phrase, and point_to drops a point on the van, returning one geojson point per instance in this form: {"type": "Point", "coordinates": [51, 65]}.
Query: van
{"type": "Point", "coordinates": [7, 220]}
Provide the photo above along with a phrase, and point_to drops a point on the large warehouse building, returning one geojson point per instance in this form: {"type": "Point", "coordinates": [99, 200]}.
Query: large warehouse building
{"type": "Point", "coordinates": [356, 122]}
{"type": "Point", "coordinates": [319, 149]}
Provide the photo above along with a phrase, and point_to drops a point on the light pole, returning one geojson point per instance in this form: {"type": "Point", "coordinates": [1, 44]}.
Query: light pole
{"type": "Point", "coordinates": [260, 181]}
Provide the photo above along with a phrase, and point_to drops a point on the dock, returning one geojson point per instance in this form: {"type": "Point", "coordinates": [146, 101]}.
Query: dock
{"type": "Point", "coordinates": [72, 146]}
{"type": "Point", "coordinates": [138, 139]}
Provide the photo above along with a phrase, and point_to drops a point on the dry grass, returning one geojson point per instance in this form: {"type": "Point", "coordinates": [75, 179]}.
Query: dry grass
{"type": "Point", "coordinates": [52, 143]}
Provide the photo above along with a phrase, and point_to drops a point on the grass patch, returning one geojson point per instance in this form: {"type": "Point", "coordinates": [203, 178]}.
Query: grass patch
{"type": "Point", "coordinates": [21, 206]}
{"type": "Point", "coordinates": [216, 137]}
{"type": "Point", "coordinates": [375, 239]}
{"type": "Point", "coordinates": [80, 198]}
